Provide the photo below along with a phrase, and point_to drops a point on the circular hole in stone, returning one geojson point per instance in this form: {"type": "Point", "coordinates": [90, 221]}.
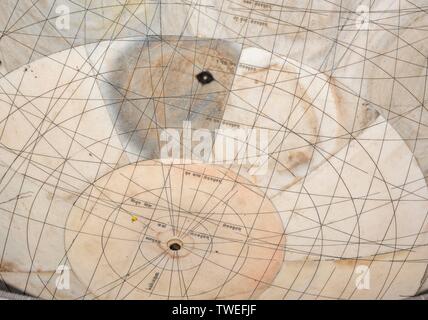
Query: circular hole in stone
{"type": "Point", "coordinates": [175, 244]}
{"type": "Point", "coordinates": [205, 77]}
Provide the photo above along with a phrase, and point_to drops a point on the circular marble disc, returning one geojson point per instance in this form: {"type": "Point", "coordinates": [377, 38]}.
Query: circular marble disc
{"type": "Point", "coordinates": [152, 230]}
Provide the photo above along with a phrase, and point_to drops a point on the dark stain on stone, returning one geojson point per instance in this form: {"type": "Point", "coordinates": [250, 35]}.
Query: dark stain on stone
{"type": "Point", "coordinates": [8, 267]}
